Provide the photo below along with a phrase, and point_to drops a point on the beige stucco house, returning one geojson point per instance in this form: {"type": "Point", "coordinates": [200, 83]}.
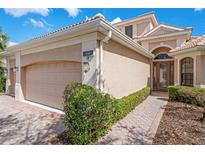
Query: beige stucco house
{"type": "Point", "coordinates": [118, 59]}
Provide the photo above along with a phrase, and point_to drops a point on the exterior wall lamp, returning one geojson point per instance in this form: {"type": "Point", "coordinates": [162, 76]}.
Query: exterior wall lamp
{"type": "Point", "coordinates": [86, 67]}
{"type": "Point", "coordinates": [15, 69]}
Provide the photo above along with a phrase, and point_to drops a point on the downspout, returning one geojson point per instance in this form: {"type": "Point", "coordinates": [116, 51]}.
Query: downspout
{"type": "Point", "coordinates": [101, 57]}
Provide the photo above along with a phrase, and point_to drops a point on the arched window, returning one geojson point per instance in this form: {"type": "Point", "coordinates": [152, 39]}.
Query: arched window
{"type": "Point", "coordinates": [187, 71]}
{"type": "Point", "coordinates": [163, 56]}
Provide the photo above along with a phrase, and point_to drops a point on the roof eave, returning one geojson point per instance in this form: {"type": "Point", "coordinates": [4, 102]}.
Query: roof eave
{"type": "Point", "coordinates": [98, 22]}
{"type": "Point", "coordinates": [188, 32]}
{"type": "Point", "coordinates": [47, 38]}
{"type": "Point", "coordinates": [178, 52]}
{"type": "Point", "coordinates": [148, 15]}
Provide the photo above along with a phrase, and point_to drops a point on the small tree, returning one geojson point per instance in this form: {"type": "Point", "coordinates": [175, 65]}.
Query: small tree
{"type": "Point", "coordinates": [2, 79]}
{"type": "Point", "coordinates": [3, 41]}
{"type": "Point", "coordinates": [3, 45]}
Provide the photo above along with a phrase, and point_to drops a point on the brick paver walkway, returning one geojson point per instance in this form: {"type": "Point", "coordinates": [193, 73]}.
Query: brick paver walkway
{"type": "Point", "coordinates": [139, 126]}
{"type": "Point", "coordinates": [21, 123]}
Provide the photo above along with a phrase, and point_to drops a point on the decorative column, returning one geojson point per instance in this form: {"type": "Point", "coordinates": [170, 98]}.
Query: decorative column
{"type": "Point", "coordinates": [101, 68]}
{"type": "Point", "coordinates": [176, 72]}
{"type": "Point", "coordinates": [151, 74]}
{"type": "Point", "coordinates": [18, 89]}
{"type": "Point", "coordinates": [8, 82]}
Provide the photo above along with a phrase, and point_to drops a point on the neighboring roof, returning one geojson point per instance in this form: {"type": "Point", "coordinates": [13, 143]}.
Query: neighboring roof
{"type": "Point", "coordinates": [194, 37]}
{"type": "Point", "coordinates": [174, 28]}
{"type": "Point", "coordinates": [95, 21]}
{"type": "Point", "coordinates": [195, 42]}
{"type": "Point", "coordinates": [140, 17]}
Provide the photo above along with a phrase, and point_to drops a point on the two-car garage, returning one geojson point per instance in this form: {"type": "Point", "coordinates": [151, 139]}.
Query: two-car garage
{"type": "Point", "coordinates": [44, 75]}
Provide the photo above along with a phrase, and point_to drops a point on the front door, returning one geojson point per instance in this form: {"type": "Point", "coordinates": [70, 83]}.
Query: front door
{"type": "Point", "coordinates": [163, 75]}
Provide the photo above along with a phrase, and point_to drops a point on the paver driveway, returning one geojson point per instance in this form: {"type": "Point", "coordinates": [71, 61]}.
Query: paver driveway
{"type": "Point", "coordinates": [21, 123]}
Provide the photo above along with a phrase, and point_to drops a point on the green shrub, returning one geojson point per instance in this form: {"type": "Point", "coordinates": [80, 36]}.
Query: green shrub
{"type": "Point", "coordinates": [128, 103]}
{"type": "Point", "coordinates": [88, 113]}
{"type": "Point", "coordinates": [188, 95]}
{"type": "Point", "coordinates": [2, 80]}
{"type": "Point", "coordinates": [173, 92]}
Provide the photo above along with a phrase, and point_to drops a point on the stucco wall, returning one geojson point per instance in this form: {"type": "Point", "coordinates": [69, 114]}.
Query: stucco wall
{"type": "Point", "coordinates": [125, 71]}
{"type": "Point", "coordinates": [143, 28]}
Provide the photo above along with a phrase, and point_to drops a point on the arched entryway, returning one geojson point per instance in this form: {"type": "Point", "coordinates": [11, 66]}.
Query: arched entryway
{"type": "Point", "coordinates": [161, 49]}
{"type": "Point", "coordinates": [163, 69]}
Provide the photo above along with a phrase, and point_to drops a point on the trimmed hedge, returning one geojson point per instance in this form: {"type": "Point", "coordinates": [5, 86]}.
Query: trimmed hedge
{"type": "Point", "coordinates": [89, 113]}
{"type": "Point", "coordinates": [128, 103]}
{"type": "Point", "coordinates": [190, 95]}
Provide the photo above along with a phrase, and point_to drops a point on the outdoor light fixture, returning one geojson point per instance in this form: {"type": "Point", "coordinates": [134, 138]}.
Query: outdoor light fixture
{"type": "Point", "coordinates": [15, 69]}
{"type": "Point", "coordinates": [6, 70]}
{"type": "Point", "coordinates": [86, 67]}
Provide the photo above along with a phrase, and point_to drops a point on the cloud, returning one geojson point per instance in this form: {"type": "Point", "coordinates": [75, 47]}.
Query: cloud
{"type": "Point", "coordinates": [72, 12]}
{"type": "Point", "coordinates": [10, 43]}
{"type": "Point", "coordinates": [116, 20]}
{"type": "Point", "coordinates": [100, 15]}
{"type": "Point", "coordinates": [21, 12]}
{"type": "Point", "coordinates": [198, 9]}
{"type": "Point", "coordinates": [87, 18]}
{"type": "Point", "coordinates": [40, 24]}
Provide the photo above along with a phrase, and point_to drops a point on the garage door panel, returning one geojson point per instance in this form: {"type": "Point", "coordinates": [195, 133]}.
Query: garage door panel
{"type": "Point", "coordinates": [13, 81]}
{"type": "Point", "coordinates": [45, 83]}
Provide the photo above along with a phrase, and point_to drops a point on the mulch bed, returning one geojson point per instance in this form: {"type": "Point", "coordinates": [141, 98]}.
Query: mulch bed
{"type": "Point", "coordinates": [181, 124]}
{"type": "Point", "coordinates": [61, 139]}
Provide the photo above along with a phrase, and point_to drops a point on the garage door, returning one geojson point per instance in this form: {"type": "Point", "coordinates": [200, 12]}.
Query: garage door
{"type": "Point", "coordinates": [12, 82]}
{"type": "Point", "coordinates": [46, 82]}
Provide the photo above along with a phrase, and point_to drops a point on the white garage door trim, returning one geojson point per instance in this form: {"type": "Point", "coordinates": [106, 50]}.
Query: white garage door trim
{"type": "Point", "coordinates": [44, 107]}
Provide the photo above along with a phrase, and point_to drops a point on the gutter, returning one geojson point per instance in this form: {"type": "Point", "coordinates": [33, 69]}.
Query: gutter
{"type": "Point", "coordinates": [101, 57]}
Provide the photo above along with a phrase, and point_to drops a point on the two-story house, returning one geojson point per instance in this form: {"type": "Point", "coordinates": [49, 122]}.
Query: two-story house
{"type": "Point", "coordinates": [118, 59]}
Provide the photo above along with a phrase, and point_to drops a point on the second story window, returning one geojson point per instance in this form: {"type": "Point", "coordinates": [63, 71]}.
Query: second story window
{"type": "Point", "coordinates": [129, 30]}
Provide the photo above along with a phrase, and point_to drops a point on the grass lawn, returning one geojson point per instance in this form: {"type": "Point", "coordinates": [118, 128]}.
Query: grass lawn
{"type": "Point", "coordinates": [181, 124]}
